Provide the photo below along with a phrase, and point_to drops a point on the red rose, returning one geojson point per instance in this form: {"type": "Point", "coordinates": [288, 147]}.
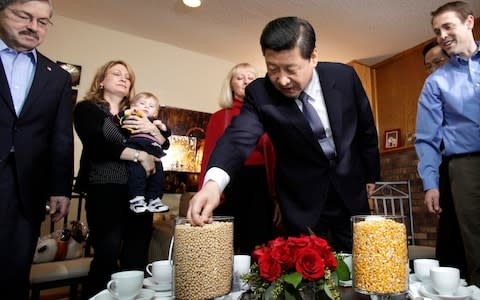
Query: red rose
{"type": "Point", "coordinates": [329, 261]}
{"type": "Point", "coordinates": [296, 244]}
{"type": "Point", "coordinates": [282, 253]}
{"type": "Point", "coordinates": [319, 244]}
{"type": "Point", "coordinates": [277, 243]}
{"type": "Point", "coordinates": [269, 268]}
{"type": "Point", "coordinates": [310, 264]}
{"type": "Point", "coordinates": [259, 252]}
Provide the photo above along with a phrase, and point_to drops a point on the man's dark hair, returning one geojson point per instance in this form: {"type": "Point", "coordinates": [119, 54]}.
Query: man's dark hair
{"type": "Point", "coordinates": [461, 8]}
{"type": "Point", "coordinates": [287, 33]}
{"type": "Point", "coordinates": [429, 46]}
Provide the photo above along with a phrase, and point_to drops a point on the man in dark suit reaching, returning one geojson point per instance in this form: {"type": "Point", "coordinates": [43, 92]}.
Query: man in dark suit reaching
{"type": "Point", "coordinates": [321, 125]}
{"type": "Point", "coordinates": [36, 139]}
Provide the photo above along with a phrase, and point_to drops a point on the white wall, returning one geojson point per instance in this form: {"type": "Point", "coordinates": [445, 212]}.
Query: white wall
{"type": "Point", "coordinates": [179, 77]}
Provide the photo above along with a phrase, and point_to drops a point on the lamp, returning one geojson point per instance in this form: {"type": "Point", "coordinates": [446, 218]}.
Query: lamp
{"type": "Point", "coordinates": [192, 3]}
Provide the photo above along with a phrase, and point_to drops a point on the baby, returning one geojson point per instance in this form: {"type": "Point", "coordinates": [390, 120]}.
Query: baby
{"type": "Point", "coordinates": [145, 192]}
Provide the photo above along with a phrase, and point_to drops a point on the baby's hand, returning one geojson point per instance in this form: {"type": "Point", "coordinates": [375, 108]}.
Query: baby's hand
{"type": "Point", "coordinates": [160, 125]}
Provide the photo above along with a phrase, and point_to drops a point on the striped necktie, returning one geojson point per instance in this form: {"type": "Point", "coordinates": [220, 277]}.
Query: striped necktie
{"type": "Point", "coordinates": [316, 125]}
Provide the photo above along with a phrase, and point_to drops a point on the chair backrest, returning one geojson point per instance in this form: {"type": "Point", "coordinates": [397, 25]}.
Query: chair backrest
{"type": "Point", "coordinates": [76, 213]}
{"type": "Point", "coordinates": [394, 198]}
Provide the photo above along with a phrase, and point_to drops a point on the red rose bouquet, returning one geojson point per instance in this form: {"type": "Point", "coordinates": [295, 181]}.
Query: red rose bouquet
{"type": "Point", "coordinates": [295, 268]}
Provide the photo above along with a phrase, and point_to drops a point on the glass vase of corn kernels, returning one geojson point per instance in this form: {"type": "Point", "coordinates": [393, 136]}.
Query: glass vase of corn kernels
{"type": "Point", "coordinates": [380, 256]}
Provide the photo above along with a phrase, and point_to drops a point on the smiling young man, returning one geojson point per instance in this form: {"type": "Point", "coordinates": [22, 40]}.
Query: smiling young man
{"type": "Point", "coordinates": [449, 113]}
{"type": "Point", "coordinates": [322, 174]}
{"type": "Point", "coordinates": [36, 139]}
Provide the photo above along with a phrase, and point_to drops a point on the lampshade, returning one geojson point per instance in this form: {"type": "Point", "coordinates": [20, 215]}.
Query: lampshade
{"type": "Point", "coordinates": [192, 3]}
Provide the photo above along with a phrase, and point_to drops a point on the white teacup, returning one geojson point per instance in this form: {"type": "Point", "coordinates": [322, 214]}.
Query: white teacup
{"type": "Point", "coordinates": [422, 267]}
{"type": "Point", "coordinates": [241, 265]}
{"type": "Point", "coordinates": [445, 280]}
{"type": "Point", "coordinates": [125, 285]}
{"type": "Point", "coordinates": [161, 272]}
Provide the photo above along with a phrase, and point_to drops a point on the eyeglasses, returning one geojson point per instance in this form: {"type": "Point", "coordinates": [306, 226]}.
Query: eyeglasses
{"type": "Point", "coordinates": [26, 18]}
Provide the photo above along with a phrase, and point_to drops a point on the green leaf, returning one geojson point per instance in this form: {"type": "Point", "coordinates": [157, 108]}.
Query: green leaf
{"type": "Point", "coordinates": [292, 295]}
{"type": "Point", "coordinates": [310, 231]}
{"type": "Point", "coordinates": [293, 278]}
{"type": "Point", "coordinates": [326, 288]}
{"type": "Point", "coordinates": [342, 270]}
{"type": "Point", "coordinates": [268, 292]}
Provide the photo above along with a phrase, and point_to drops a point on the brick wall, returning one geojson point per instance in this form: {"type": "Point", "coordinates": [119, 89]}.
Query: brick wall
{"type": "Point", "coordinates": [401, 164]}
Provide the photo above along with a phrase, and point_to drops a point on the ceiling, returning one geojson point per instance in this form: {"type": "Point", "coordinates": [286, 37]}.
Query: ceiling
{"type": "Point", "coordinates": [365, 30]}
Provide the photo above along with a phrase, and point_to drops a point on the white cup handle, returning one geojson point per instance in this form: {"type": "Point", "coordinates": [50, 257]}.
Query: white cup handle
{"type": "Point", "coordinates": [112, 286]}
{"type": "Point", "coordinates": [149, 266]}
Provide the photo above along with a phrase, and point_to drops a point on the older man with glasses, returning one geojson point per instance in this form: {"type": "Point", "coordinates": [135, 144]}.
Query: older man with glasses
{"type": "Point", "coordinates": [36, 139]}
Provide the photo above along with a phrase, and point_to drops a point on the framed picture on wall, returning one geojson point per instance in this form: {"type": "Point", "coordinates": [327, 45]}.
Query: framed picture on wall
{"type": "Point", "coordinates": [392, 139]}
{"type": "Point", "coordinates": [74, 70]}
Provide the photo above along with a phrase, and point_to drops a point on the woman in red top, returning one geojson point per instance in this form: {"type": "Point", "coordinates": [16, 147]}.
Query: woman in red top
{"type": "Point", "coordinates": [250, 195]}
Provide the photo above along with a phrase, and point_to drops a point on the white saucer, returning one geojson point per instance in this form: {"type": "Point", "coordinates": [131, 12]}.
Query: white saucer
{"type": "Point", "coordinates": [414, 278]}
{"type": "Point", "coordinates": [166, 295]}
{"type": "Point", "coordinates": [345, 283]}
{"type": "Point", "coordinates": [462, 293]}
{"type": "Point", "coordinates": [106, 295]}
{"type": "Point", "coordinates": [157, 287]}
{"type": "Point", "coordinates": [231, 296]}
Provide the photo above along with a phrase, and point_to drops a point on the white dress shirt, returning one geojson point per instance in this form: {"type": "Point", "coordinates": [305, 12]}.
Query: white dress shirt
{"type": "Point", "coordinates": [314, 90]}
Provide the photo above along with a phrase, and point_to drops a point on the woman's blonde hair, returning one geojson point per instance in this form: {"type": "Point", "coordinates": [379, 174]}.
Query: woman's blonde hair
{"type": "Point", "coordinates": [96, 89]}
{"type": "Point", "coordinates": [226, 93]}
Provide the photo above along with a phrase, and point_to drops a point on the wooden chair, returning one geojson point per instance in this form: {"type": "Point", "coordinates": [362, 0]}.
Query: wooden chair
{"type": "Point", "coordinates": [56, 274]}
{"type": "Point", "coordinates": [394, 198]}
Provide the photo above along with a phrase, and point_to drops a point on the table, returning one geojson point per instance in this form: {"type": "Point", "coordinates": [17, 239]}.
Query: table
{"type": "Point", "coordinates": [348, 293]}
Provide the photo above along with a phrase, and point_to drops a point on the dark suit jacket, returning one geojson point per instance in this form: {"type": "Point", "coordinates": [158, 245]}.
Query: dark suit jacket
{"type": "Point", "coordinates": [42, 136]}
{"type": "Point", "coordinates": [303, 173]}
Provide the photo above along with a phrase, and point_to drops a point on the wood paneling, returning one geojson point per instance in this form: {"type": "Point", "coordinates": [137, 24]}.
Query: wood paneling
{"type": "Point", "coordinates": [364, 72]}
{"type": "Point", "coordinates": [476, 29]}
{"type": "Point", "coordinates": [398, 82]}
